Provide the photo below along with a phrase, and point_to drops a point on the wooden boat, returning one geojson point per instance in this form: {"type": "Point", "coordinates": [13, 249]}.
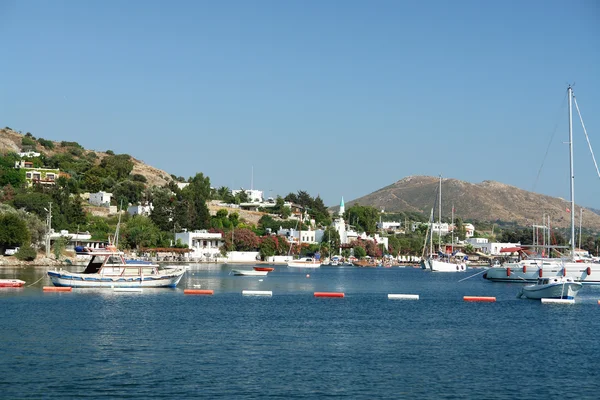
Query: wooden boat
{"type": "Point", "coordinates": [268, 269]}
{"type": "Point", "coordinates": [555, 287]}
{"type": "Point", "coordinates": [7, 283]}
{"type": "Point", "coordinates": [108, 268]}
{"type": "Point", "coordinates": [249, 272]}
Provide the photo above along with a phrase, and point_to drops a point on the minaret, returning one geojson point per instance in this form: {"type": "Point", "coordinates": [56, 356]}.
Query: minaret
{"type": "Point", "coordinates": [342, 208]}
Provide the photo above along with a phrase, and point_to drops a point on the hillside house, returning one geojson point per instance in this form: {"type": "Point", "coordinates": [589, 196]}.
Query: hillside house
{"type": "Point", "coordinates": [101, 199]}
{"type": "Point", "coordinates": [43, 176]}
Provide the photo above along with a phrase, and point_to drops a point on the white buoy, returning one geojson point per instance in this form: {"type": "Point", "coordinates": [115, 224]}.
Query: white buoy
{"type": "Point", "coordinates": [559, 301]}
{"type": "Point", "coordinates": [127, 289]}
{"type": "Point", "coordinates": [403, 296]}
{"type": "Point", "coordinates": [257, 293]}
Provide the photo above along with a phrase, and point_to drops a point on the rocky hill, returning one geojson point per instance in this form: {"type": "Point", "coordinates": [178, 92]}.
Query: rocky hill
{"type": "Point", "coordinates": [485, 201]}
{"type": "Point", "coordinates": [12, 141]}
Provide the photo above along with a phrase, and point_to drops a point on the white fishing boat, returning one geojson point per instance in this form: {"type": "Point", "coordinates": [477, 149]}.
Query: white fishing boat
{"type": "Point", "coordinates": [108, 268]}
{"type": "Point", "coordinates": [556, 287]}
{"type": "Point", "coordinates": [585, 270]}
{"type": "Point", "coordinates": [248, 272]}
{"type": "Point", "coordinates": [304, 262]}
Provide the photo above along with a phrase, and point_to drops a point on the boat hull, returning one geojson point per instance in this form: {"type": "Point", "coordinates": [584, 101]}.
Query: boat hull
{"type": "Point", "coordinates": [442, 266]}
{"type": "Point", "coordinates": [552, 291]}
{"type": "Point", "coordinates": [251, 272]}
{"type": "Point", "coordinates": [11, 283]}
{"type": "Point", "coordinates": [300, 264]}
{"type": "Point", "coordinates": [587, 273]}
{"type": "Point", "coordinates": [75, 280]}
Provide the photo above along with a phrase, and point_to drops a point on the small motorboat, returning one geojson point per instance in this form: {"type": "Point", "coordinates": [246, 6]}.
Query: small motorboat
{"type": "Point", "coordinates": [554, 287]}
{"type": "Point", "coordinates": [268, 269]}
{"type": "Point", "coordinates": [305, 262]}
{"type": "Point", "coordinates": [248, 272]}
{"type": "Point", "coordinates": [11, 283]}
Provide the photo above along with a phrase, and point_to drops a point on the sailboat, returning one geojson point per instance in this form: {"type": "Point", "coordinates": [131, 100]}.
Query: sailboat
{"type": "Point", "coordinates": [444, 262]}
{"type": "Point", "coordinates": [529, 270]}
{"type": "Point", "coordinates": [304, 262]}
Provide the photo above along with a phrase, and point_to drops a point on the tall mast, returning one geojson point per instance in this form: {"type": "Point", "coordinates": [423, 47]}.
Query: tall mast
{"type": "Point", "coordinates": [440, 216]}
{"type": "Point", "coordinates": [572, 173]}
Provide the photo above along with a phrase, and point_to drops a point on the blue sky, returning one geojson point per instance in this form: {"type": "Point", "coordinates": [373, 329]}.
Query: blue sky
{"type": "Point", "coordinates": [338, 98]}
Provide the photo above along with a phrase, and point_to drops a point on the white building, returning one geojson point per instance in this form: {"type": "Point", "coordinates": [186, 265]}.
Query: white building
{"type": "Point", "coordinates": [484, 246]}
{"type": "Point", "coordinates": [182, 185]}
{"type": "Point", "coordinates": [255, 196]}
{"type": "Point", "coordinates": [310, 236]}
{"type": "Point", "coordinates": [469, 230]}
{"type": "Point", "coordinates": [389, 225]}
{"type": "Point", "coordinates": [204, 245]}
{"type": "Point", "coordinates": [100, 199]}
{"type": "Point", "coordinates": [29, 154]}
{"type": "Point", "coordinates": [140, 209]}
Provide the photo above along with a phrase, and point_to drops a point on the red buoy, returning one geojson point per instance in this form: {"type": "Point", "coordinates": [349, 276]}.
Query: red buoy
{"type": "Point", "coordinates": [540, 272]}
{"type": "Point", "coordinates": [524, 268]}
{"type": "Point", "coordinates": [507, 271]}
{"type": "Point", "coordinates": [564, 271]}
{"type": "Point", "coordinates": [329, 294]}
{"type": "Point", "coordinates": [589, 270]}
{"type": "Point", "coordinates": [198, 291]}
{"type": "Point", "coordinates": [57, 289]}
{"type": "Point", "coordinates": [483, 299]}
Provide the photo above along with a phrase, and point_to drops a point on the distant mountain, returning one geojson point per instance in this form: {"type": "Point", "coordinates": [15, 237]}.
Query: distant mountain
{"type": "Point", "coordinates": [485, 201]}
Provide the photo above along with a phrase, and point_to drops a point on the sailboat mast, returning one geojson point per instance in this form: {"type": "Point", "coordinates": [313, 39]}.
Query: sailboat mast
{"type": "Point", "coordinates": [572, 173]}
{"type": "Point", "coordinates": [440, 216]}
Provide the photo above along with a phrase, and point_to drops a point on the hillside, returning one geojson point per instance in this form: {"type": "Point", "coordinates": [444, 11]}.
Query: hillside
{"type": "Point", "coordinates": [11, 140]}
{"type": "Point", "coordinates": [485, 201]}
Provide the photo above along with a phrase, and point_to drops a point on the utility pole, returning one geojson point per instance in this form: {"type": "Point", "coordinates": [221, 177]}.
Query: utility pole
{"type": "Point", "coordinates": [48, 227]}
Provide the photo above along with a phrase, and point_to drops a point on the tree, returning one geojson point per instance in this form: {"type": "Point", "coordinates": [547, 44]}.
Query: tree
{"type": "Point", "coordinates": [118, 166]}
{"type": "Point", "coordinates": [245, 240]}
{"type": "Point", "coordinates": [140, 231]}
{"type": "Point", "coordinates": [196, 194]}
{"type": "Point", "coordinates": [163, 212]}
{"type": "Point", "coordinates": [365, 218]}
{"type": "Point", "coordinates": [13, 231]}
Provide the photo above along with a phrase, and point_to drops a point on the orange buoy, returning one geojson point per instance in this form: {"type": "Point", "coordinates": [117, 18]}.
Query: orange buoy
{"type": "Point", "coordinates": [57, 289]}
{"type": "Point", "coordinates": [508, 271]}
{"type": "Point", "coordinates": [540, 273]}
{"type": "Point", "coordinates": [198, 291]}
{"type": "Point", "coordinates": [589, 270]}
{"type": "Point", "coordinates": [329, 294]}
{"type": "Point", "coordinates": [524, 268]}
{"type": "Point", "coordinates": [483, 299]}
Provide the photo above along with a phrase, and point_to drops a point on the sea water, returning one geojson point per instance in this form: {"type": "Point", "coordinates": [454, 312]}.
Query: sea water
{"type": "Point", "coordinates": [160, 343]}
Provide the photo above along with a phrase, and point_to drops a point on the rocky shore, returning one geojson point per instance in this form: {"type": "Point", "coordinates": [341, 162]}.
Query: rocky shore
{"type": "Point", "coordinates": [12, 261]}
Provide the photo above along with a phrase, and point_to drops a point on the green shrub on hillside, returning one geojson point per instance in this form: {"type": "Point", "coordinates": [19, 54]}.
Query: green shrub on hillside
{"type": "Point", "coordinates": [26, 253]}
{"type": "Point", "coordinates": [27, 141]}
{"type": "Point", "coordinates": [64, 143]}
{"type": "Point", "coordinates": [46, 143]}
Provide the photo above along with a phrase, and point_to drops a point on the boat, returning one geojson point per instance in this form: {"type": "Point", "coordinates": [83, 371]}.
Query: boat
{"type": "Point", "coordinates": [268, 269]}
{"type": "Point", "coordinates": [585, 270]}
{"type": "Point", "coordinates": [304, 262]}
{"type": "Point", "coordinates": [108, 268]}
{"type": "Point", "coordinates": [248, 272]}
{"type": "Point", "coordinates": [9, 283]}
{"type": "Point", "coordinates": [556, 287]}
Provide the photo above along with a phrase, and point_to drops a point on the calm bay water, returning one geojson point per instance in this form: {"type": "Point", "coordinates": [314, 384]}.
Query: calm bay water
{"type": "Point", "coordinates": [162, 344]}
